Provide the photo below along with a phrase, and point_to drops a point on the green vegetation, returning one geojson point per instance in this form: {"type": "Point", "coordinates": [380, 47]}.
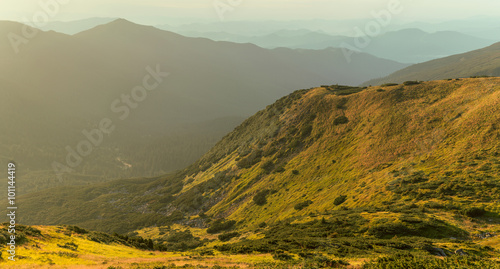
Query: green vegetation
{"type": "Point", "coordinates": [389, 85]}
{"type": "Point", "coordinates": [260, 197]}
{"type": "Point", "coordinates": [220, 225]}
{"type": "Point", "coordinates": [302, 205]}
{"type": "Point", "coordinates": [339, 200]}
{"type": "Point", "coordinates": [227, 236]}
{"type": "Point", "coordinates": [411, 170]}
{"type": "Point", "coordinates": [340, 120]}
{"type": "Point", "coordinates": [410, 261]}
{"type": "Point", "coordinates": [411, 82]}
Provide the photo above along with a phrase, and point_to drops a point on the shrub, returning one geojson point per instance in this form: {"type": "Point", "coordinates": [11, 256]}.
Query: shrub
{"type": "Point", "coordinates": [342, 102]}
{"type": "Point", "coordinates": [306, 130]}
{"type": "Point", "coordinates": [175, 241]}
{"type": "Point", "coordinates": [302, 205]}
{"type": "Point", "coordinates": [67, 254]}
{"type": "Point", "coordinates": [220, 225]}
{"type": "Point", "coordinates": [71, 246]}
{"type": "Point", "coordinates": [339, 200]}
{"type": "Point", "coordinates": [474, 212]}
{"type": "Point", "coordinates": [227, 236]}
{"type": "Point", "coordinates": [267, 166]}
{"type": "Point", "coordinates": [77, 230]}
{"type": "Point", "coordinates": [389, 84]}
{"type": "Point", "coordinates": [176, 237]}
{"type": "Point", "coordinates": [410, 261]}
{"type": "Point", "coordinates": [411, 82]}
{"type": "Point", "coordinates": [340, 120]}
{"type": "Point", "coordinates": [28, 230]}
{"type": "Point", "coordinates": [282, 256]}
{"type": "Point", "coordinates": [260, 197]}
{"type": "Point", "coordinates": [389, 230]}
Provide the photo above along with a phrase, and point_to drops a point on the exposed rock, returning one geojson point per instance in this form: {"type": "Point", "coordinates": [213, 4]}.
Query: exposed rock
{"type": "Point", "coordinates": [461, 252]}
{"type": "Point", "coordinates": [484, 235]}
{"type": "Point", "coordinates": [439, 252]}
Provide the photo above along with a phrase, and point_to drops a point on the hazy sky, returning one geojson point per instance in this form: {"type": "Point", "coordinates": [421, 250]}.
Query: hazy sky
{"type": "Point", "coordinates": [160, 11]}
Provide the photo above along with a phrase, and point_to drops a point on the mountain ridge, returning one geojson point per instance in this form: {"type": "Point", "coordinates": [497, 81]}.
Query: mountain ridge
{"type": "Point", "coordinates": [482, 62]}
{"type": "Point", "coordinates": [381, 147]}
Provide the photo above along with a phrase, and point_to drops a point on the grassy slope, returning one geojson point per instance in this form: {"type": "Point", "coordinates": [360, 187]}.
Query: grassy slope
{"type": "Point", "coordinates": [445, 129]}
{"type": "Point", "coordinates": [415, 156]}
{"type": "Point", "coordinates": [413, 128]}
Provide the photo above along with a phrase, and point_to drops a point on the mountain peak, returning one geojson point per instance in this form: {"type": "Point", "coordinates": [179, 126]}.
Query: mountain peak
{"type": "Point", "coordinates": [116, 27]}
{"type": "Point", "coordinates": [409, 31]}
{"type": "Point", "coordinates": [121, 21]}
{"type": "Point", "coordinates": [123, 24]}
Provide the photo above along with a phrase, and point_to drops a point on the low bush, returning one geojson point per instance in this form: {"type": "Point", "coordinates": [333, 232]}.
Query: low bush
{"type": "Point", "coordinates": [340, 120]}
{"type": "Point", "coordinates": [221, 225]}
{"type": "Point", "coordinates": [261, 197]}
{"type": "Point", "coordinates": [411, 83]}
{"type": "Point", "coordinates": [339, 200]}
{"type": "Point", "coordinates": [389, 84]}
{"type": "Point", "coordinates": [77, 230]}
{"type": "Point", "coordinates": [302, 205]}
{"type": "Point", "coordinates": [228, 236]}
{"type": "Point", "coordinates": [474, 212]}
{"type": "Point", "coordinates": [70, 246]}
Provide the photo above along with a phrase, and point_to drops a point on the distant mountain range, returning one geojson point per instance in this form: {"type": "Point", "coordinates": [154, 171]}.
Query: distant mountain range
{"type": "Point", "coordinates": [60, 85]}
{"type": "Point", "coordinates": [74, 27]}
{"type": "Point", "coordinates": [407, 45]}
{"type": "Point", "coordinates": [482, 62]}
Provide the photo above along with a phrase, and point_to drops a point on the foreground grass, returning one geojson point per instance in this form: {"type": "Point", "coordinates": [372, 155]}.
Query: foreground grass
{"type": "Point", "coordinates": [57, 247]}
{"type": "Point", "coordinates": [62, 247]}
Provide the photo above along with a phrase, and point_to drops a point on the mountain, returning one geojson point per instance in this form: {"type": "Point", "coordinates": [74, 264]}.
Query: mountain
{"type": "Point", "coordinates": [67, 86]}
{"type": "Point", "coordinates": [406, 45]}
{"type": "Point", "coordinates": [74, 27]}
{"type": "Point", "coordinates": [479, 26]}
{"type": "Point", "coordinates": [330, 176]}
{"type": "Point", "coordinates": [416, 46]}
{"type": "Point", "coordinates": [482, 62]}
{"type": "Point", "coordinates": [432, 145]}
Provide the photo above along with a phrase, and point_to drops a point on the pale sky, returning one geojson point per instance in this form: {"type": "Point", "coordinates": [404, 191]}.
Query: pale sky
{"type": "Point", "coordinates": [160, 11]}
